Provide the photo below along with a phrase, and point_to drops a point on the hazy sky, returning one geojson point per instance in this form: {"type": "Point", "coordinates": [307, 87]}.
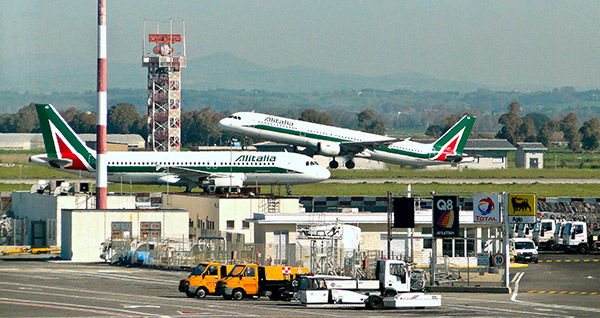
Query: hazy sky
{"type": "Point", "coordinates": [553, 43]}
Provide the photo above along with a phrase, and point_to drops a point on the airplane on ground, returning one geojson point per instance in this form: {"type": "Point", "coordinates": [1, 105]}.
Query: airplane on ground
{"type": "Point", "coordinates": [347, 143]}
{"type": "Point", "coordinates": [211, 170]}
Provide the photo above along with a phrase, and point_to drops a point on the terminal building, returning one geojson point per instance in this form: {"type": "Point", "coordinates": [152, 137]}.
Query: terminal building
{"type": "Point", "coordinates": [279, 229]}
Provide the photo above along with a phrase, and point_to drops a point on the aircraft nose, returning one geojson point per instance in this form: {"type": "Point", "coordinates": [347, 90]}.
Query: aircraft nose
{"type": "Point", "coordinates": [223, 123]}
{"type": "Point", "coordinates": [323, 173]}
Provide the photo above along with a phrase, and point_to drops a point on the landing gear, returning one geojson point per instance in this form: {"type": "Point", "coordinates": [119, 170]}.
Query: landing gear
{"type": "Point", "coordinates": [333, 164]}
{"type": "Point", "coordinates": [350, 164]}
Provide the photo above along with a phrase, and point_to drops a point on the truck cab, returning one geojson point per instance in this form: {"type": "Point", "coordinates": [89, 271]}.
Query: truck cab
{"type": "Point", "coordinates": [203, 279]}
{"type": "Point", "coordinates": [575, 237]}
{"type": "Point", "coordinates": [543, 234]}
{"type": "Point", "coordinates": [394, 277]}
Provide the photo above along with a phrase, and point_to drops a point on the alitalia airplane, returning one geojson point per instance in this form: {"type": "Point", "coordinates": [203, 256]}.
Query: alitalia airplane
{"type": "Point", "coordinates": [346, 143]}
{"type": "Point", "coordinates": [212, 170]}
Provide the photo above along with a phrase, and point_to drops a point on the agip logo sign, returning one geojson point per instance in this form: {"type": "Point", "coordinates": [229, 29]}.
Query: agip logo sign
{"type": "Point", "coordinates": [486, 208]}
{"type": "Point", "coordinates": [445, 216]}
{"type": "Point", "coordinates": [521, 208]}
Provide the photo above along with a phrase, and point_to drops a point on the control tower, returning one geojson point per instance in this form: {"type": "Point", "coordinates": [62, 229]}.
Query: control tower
{"type": "Point", "coordinates": [164, 62]}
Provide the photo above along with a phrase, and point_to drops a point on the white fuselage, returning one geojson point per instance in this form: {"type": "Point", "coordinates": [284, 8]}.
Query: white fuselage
{"type": "Point", "coordinates": [306, 134]}
{"type": "Point", "coordinates": [251, 168]}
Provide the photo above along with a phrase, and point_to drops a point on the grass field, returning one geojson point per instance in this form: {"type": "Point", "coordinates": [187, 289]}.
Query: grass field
{"type": "Point", "coordinates": [364, 189]}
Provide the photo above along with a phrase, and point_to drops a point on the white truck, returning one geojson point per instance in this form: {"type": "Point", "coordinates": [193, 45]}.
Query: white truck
{"type": "Point", "coordinates": [543, 234]}
{"type": "Point", "coordinates": [390, 290]}
{"type": "Point", "coordinates": [578, 236]}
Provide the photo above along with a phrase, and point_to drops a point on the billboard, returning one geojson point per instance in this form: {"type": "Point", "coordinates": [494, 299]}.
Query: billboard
{"type": "Point", "coordinates": [521, 208]}
{"type": "Point", "coordinates": [486, 208]}
{"type": "Point", "coordinates": [404, 212]}
{"type": "Point", "coordinates": [445, 216]}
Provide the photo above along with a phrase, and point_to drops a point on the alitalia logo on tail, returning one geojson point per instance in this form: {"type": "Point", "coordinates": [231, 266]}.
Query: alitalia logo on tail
{"type": "Point", "coordinates": [61, 142]}
{"type": "Point", "coordinates": [449, 148]}
{"type": "Point", "coordinates": [250, 158]}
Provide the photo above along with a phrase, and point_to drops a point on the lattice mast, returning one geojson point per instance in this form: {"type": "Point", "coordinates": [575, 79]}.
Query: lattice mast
{"type": "Point", "coordinates": [164, 63]}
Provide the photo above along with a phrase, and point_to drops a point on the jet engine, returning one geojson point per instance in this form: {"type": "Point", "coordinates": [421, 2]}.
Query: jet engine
{"type": "Point", "coordinates": [330, 149]}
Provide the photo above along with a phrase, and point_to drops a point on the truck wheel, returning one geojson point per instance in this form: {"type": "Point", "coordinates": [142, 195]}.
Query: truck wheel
{"type": "Point", "coordinates": [238, 294]}
{"type": "Point", "coordinates": [582, 249]}
{"type": "Point", "coordinates": [201, 292]}
{"type": "Point", "coordinates": [374, 302]}
{"type": "Point", "coordinates": [190, 295]}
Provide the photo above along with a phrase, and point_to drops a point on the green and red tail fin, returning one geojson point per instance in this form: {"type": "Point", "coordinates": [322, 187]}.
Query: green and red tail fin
{"type": "Point", "coordinates": [449, 147]}
{"type": "Point", "coordinates": [62, 143]}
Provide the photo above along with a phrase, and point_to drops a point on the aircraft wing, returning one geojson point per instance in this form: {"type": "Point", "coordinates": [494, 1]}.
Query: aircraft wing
{"type": "Point", "coordinates": [360, 146]}
{"type": "Point", "coordinates": [193, 174]}
{"type": "Point", "coordinates": [187, 173]}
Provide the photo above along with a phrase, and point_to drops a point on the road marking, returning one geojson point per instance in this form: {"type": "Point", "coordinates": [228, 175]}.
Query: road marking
{"type": "Point", "coordinates": [516, 276]}
{"type": "Point", "coordinates": [569, 260]}
{"type": "Point", "coordinates": [74, 307]}
{"type": "Point", "coordinates": [561, 292]}
{"type": "Point", "coordinates": [141, 306]}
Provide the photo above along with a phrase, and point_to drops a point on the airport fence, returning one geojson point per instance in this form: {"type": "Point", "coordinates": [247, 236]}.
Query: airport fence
{"type": "Point", "coordinates": [184, 254]}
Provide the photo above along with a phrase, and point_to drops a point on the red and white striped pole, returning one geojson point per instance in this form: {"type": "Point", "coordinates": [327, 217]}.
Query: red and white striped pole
{"type": "Point", "coordinates": [101, 168]}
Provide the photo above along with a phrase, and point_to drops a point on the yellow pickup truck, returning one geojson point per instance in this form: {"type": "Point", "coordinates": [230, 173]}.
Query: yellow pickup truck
{"type": "Point", "coordinates": [203, 279]}
{"type": "Point", "coordinates": [251, 280]}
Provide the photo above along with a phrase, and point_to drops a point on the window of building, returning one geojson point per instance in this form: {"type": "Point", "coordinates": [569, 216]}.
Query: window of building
{"type": "Point", "coordinates": [245, 225]}
{"type": "Point", "coordinates": [230, 224]}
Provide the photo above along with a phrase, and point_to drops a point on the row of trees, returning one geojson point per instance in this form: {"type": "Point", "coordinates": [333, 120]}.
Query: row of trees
{"type": "Point", "coordinates": [200, 127]}
{"type": "Point", "coordinates": [539, 127]}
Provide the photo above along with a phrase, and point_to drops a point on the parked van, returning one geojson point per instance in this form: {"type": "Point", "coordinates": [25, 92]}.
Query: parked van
{"type": "Point", "coordinates": [522, 250]}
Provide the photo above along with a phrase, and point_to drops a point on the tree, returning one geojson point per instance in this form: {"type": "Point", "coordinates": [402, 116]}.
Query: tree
{"type": "Point", "coordinates": [590, 134]}
{"type": "Point", "coordinates": [511, 122]}
{"type": "Point", "coordinates": [434, 131]}
{"type": "Point", "coordinates": [568, 125]}
{"type": "Point", "coordinates": [123, 119]}
{"type": "Point", "coordinates": [24, 121]}
{"type": "Point", "coordinates": [538, 119]}
{"type": "Point", "coordinates": [314, 116]}
{"type": "Point", "coordinates": [368, 121]}
{"type": "Point", "coordinates": [83, 122]}
{"type": "Point", "coordinates": [545, 135]}
{"type": "Point", "coordinates": [527, 131]}
{"type": "Point", "coordinates": [201, 127]}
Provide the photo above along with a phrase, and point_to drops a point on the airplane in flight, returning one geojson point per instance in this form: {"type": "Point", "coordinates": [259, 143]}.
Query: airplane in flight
{"type": "Point", "coordinates": [335, 142]}
{"type": "Point", "coordinates": [211, 170]}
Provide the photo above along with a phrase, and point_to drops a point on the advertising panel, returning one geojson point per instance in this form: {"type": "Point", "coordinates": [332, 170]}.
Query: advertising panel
{"type": "Point", "coordinates": [445, 216]}
{"type": "Point", "coordinates": [521, 208]}
{"type": "Point", "coordinates": [486, 208]}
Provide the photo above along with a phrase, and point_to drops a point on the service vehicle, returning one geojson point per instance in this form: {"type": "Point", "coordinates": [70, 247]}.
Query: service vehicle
{"type": "Point", "coordinates": [203, 279]}
{"type": "Point", "coordinates": [252, 280]}
{"type": "Point", "coordinates": [522, 250]}
{"type": "Point", "coordinates": [391, 289]}
{"type": "Point", "coordinates": [580, 237]}
{"type": "Point", "coordinates": [543, 234]}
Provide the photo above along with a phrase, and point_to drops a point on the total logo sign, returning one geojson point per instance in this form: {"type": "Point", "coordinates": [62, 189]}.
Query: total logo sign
{"type": "Point", "coordinates": [486, 208]}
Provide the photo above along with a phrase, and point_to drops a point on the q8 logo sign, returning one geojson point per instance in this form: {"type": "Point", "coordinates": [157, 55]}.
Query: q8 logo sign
{"type": "Point", "coordinates": [445, 216]}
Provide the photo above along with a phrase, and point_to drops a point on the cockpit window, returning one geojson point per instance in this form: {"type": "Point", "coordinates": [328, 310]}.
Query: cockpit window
{"type": "Point", "coordinates": [235, 117]}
